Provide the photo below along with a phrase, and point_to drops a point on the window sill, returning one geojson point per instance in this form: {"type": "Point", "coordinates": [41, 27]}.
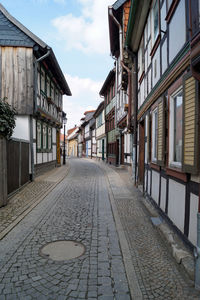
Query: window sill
{"type": "Point", "coordinates": [155, 166]}
{"type": "Point", "coordinates": [44, 151]}
{"type": "Point", "coordinates": [176, 173]}
{"type": "Point", "coordinates": [155, 46]}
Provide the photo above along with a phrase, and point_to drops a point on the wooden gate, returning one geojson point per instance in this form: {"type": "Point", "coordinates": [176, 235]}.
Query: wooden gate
{"type": "Point", "coordinates": [17, 164]}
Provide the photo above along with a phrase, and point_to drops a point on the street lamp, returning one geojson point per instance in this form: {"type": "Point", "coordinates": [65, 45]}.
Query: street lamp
{"type": "Point", "coordinates": [64, 122]}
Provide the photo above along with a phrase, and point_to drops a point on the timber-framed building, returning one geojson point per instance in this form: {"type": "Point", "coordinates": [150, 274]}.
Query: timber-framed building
{"type": "Point", "coordinates": [32, 82]}
{"type": "Point", "coordinates": [164, 35]}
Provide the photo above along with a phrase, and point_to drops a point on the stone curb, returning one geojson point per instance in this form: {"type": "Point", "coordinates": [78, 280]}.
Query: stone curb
{"type": "Point", "coordinates": [180, 253]}
{"type": "Point", "coordinates": [30, 208]}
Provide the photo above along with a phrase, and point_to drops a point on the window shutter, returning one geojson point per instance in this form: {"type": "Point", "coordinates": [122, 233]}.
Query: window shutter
{"type": "Point", "coordinates": [161, 133]}
{"type": "Point", "coordinates": [190, 160]}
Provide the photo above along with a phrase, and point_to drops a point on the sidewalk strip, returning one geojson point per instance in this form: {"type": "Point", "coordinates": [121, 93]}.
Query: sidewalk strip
{"type": "Point", "coordinates": [4, 232]}
{"type": "Point", "coordinates": [135, 291]}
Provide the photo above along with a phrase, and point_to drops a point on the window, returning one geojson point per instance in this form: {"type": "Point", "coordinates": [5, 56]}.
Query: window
{"type": "Point", "coordinates": [44, 137]}
{"type": "Point", "coordinates": [48, 86]}
{"type": "Point", "coordinates": [52, 91]}
{"type": "Point", "coordinates": [39, 135]}
{"type": "Point", "coordinates": [42, 80]}
{"type": "Point", "coordinates": [176, 124]}
{"type": "Point", "coordinates": [155, 21]}
{"type": "Point", "coordinates": [49, 138]}
{"type": "Point", "coordinates": [154, 134]}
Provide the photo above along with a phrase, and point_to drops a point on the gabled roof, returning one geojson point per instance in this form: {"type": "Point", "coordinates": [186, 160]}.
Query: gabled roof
{"type": "Point", "coordinates": [13, 33]}
{"type": "Point", "coordinates": [73, 133]}
{"type": "Point", "coordinates": [108, 80]}
{"type": "Point", "coordinates": [118, 4]}
{"type": "Point", "coordinates": [88, 117]}
{"type": "Point", "coordinates": [99, 109]}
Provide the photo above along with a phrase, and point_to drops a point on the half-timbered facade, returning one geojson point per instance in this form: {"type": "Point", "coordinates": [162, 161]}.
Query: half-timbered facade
{"type": "Point", "coordinates": [164, 35]}
{"type": "Point", "coordinates": [118, 19]}
{"type": "Point", "coordinates": [100, 131]}
{"type": "Point", "coordinates": [33, 83]}
{"type": "Point", "coordinates": [87, 135]}
{"type": "Point", "coordinates": [108, 92]}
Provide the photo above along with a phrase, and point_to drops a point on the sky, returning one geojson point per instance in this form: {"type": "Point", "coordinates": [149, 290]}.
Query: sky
{"type": "Point", "coordinates": [77, 31]}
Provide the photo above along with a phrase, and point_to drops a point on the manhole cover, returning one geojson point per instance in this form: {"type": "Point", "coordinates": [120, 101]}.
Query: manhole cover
{"type": "Point", "coordinates": [62, 250]}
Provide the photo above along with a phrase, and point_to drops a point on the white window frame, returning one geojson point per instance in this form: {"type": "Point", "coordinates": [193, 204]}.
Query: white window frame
{"type": "Point", "coordinates": [172, 162]}
{"type": "Point", "coordinates": [155, 135]}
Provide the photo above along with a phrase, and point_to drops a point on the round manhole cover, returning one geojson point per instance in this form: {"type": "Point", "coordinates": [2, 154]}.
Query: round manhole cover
{"type": "Point", "coordinates": [62, 250]}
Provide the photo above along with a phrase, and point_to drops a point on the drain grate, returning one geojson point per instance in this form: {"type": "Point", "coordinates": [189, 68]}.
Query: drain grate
{"type": "Point", "coordinates": [62, 250]}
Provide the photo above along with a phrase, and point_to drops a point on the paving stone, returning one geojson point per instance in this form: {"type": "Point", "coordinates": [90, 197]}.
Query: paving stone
{"type": "Point", "coordinates": [79, 208]}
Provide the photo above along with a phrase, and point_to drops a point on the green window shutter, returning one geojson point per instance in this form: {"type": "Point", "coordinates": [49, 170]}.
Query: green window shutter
{"type": "Point", "coordinates": [161, 133]}
{"type": "Point", "coordinates": [190, 161]}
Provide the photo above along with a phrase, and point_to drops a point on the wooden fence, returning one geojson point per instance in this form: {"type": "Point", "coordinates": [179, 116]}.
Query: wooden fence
{"type": "Point", "coordinates": [17, 164]}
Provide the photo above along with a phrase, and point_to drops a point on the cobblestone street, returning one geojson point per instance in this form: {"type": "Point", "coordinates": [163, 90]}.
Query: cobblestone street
{"type": "Point", "coordinates": [80, 208]}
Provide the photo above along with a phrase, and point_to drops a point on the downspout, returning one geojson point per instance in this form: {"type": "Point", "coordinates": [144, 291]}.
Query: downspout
{"type": "Point", "coordinates": [34, 111]}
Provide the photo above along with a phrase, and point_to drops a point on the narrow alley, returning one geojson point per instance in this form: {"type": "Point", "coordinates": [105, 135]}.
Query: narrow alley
{"type": "Point", "coordinates": [123, 256]}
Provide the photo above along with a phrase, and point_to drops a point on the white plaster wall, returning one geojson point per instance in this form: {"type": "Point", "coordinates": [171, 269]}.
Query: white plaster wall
{"type": "Point", "coordinates": [45, 157]}
{"type": "Point", "coordinates": [54, 152]}
{"type": "Point", "coordinates": [142, 92]}
{"type": "Point", "coordinates": [34, 152]}
{"type": "Point", "coordinates": [149, 81]}
{"type": "Point", "coordinates": [149, 182]}
{"type": "Point", "coordinates": [163, 193]}
{"type": "Point", "coordinates": [39, 158]}
{"type": "Point", "coordinates": [164, 56]}
{"type": "Point", "coordinates": [177, 31]}
{"type": "Point", "coordinates": [146, 152]}
{"type": "Point", "coordinates": [22, 128]}
{"type": "Point", "coordinates": [155, 186]}
{"type": "Point", "coordinates": [176, 204]}
{"type": "Point", "coordinates": [53, 135]}
{"type": "Point", "coordinates": [100, 130]}
{"type": "Point", "coordinates": [50, 156]}
{"type": "Point", "coordinates": [194, 202]}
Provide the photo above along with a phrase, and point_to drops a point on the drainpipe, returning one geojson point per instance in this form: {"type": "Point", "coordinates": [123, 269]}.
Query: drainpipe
{"type": "Point", "coordinates": [34, 110]}
{"type": "Point", "coordinates": [197, 251]}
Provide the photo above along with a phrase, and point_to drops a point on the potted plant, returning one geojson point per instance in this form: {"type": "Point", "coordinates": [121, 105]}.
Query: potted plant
{"type": "Point", "coordinates": [7, 119]}
{"type": "Point", "coordinates": [7, 125]}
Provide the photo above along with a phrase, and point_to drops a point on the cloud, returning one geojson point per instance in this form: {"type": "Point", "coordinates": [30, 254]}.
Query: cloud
{"type": "Point", "coordinates": [84, 92]}
{"type": "Point", "coordinates": [87, 32]}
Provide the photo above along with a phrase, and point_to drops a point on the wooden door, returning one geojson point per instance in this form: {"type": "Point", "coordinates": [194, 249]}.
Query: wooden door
{"type": "Point", "coordinates": [141, 153]}
{"type": "Point", "coordinates": [58, 147]}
